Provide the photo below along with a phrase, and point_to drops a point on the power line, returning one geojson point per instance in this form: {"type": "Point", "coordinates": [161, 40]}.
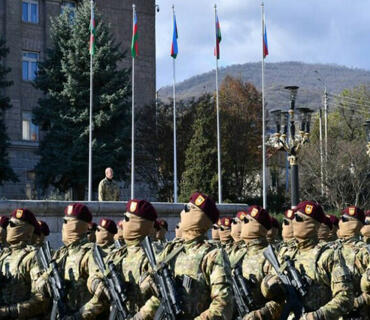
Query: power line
{"type": "Point", "coordinates": [358, 106]}
{"type": "Point", "coordinates": [352, 99]}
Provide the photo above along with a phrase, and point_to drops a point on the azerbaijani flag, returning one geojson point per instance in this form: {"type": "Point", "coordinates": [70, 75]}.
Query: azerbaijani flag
{"type": "Point", "coordinates": [92, 32]}
{"type": "Point", "coordinates": [218, 38]}
{"type": "Point", "coordinates": [174, 47]}
{"type": "Point", "coordinates": [134, 43]}
{"type": "Point", "coordinates": [265, 44]}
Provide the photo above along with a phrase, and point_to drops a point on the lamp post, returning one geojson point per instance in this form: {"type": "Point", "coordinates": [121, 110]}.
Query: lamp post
{"type": "Point", "coordinates": [367, 127]}
{"type": "Point", "coordinates": [286, 138]}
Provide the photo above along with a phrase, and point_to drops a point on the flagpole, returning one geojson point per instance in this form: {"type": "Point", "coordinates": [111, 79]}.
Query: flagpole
{"type": "Point", "coordinates": [218, 122]}
{"type": "Point", "coordinates": [133, 118]}
{"type": "Point", "coordinates": [89, 195]}
{"type": "Point", "coordinates": [174, 125]}
{"type": "Point", "coordinates": [264, 191]}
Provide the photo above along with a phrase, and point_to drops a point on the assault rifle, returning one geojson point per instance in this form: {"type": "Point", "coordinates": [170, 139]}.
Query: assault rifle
{"type": "Point", "coordinates": [55, 281]}
{"type": "Point", "coordinates": [242, 294]}
{"type": "Point", "coordinates": [116, 289]}
{"type": "Point", "coordinates": [170, 307]}
{"type": "Point", "coordinates": [295, 286]}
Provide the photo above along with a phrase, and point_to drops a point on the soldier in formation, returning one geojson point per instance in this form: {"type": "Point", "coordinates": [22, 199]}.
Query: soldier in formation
{"type": "Point", "coordinates": [334, 274]}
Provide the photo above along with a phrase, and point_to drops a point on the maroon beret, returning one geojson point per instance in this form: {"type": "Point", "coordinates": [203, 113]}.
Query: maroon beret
{"type": "Point", "coordinates": [4, 221]}
{"type": "Point", "coordinates": [311, 209]}
{"type": "Point", "coordinates": [241, 215]}
{"type": "Point", "coordinates": [206, 204]}
{"type": "Point", "coordinates": [274, 223]}
{"type": "Point", "coordinates": [226, 222]}
{"type": "Point", "coordinates": [355, 212]}
{"type": "Point", "coordinates": [43, 228]}
{"type": "Point", "coordinates": [78, 211]}
{"type": "Point", "coordinates": [142, 208]}
{"type": "Point", "coordinates": [261, 215]}
{"type": "Point", "coordinates": [25, 215]}
{"type": "Point", "coordinates": [367, 214]}
{"type": "Point", "coordinates": [289, 214]}
{"type": "Point", "coordinates": [108, 225]}
{"type": "Point", "coordinates": [328, 222]}
{"type": "Point", "coordinates": [333, 219]}
{"type": "Point", "coordinates": [163, 224]}
{"type": "Point", "coordinates": [92, 226]}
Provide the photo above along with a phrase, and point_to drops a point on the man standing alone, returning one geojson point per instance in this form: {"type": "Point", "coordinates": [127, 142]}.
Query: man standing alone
{"type": "Point", "coordinates": [108, 189]}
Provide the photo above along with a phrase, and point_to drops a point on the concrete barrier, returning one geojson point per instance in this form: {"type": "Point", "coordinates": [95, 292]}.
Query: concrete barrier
{"type": "Point", "coordinates": [52, 212]}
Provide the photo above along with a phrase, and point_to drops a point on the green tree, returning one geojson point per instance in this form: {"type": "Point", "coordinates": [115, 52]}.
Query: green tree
{"type": "Point", "coordinates": [6, 172]}
{"type": "Point", "coordinates": [64, 110]}
{"type": "Point", "coordinates": [155, 140]}
{"type": "Point", "coordinates": [201, 154]}
{"type": "Point", "coordinates": [241, 130]}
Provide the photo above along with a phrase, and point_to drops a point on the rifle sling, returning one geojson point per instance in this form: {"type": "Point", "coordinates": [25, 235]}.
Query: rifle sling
{"type": "Point", "coordinates": [172, 255]}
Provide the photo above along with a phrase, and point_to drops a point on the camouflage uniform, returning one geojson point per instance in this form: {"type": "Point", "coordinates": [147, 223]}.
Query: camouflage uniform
{"type": "Point", "coordinates": [20, 272]}
{"type": "Point", "coordinates": [330, 293]}
{"type": "Point", "coordinates": [228, 246]}
{"type": "Point", "coordinates": [108, 190]}
{"type": "Point", "coordinates": [236, 251]}
{"type": "Point", "coordinates": [255, 267]}
{"type": "Point", "coordinates": [208, 294]}
{"type": "Point", "coordinates": [79, 271]}
{"type": "Point", "coordinates": [131, 261]}
{"type": "Point", "coordinates": [356, 257]}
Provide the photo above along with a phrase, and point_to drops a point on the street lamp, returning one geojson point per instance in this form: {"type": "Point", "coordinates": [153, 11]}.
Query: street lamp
{"type": "Point", "coordinates": [367, 127]}
{"type": "Point", "coordinates": [285, 124]}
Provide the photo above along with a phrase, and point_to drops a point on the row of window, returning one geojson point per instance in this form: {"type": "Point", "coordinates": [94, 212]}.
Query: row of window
{"type": "Point", "coordinates": [30, 14]}
{"type": "Point", "coordinates": [30, 10]}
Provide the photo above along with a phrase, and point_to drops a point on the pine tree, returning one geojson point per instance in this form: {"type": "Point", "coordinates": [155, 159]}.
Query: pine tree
{"type": "Point", "coordinates": [64, 110]}
{"type": "Point", "coordinates": [201, 154]}
{"type": "Point", "coordinates": [6, 172]}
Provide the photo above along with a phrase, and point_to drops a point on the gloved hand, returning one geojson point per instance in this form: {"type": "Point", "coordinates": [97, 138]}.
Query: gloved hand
{"type": "Point", "coordinates": [272, 288]}
{"type": "Point", "coordinates": [9, 312]}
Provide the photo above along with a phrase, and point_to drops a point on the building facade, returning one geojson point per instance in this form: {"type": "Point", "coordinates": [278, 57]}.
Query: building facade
{"type": "Point", "coordinates": [25, 25]}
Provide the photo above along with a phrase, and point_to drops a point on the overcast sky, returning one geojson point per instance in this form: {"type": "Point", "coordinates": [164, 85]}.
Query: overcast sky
{"type": "Point", "coordinates": [317, 31]}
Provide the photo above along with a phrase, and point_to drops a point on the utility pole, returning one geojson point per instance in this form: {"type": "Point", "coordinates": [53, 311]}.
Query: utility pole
{"type": "Point", "coordinates": [321, 154]}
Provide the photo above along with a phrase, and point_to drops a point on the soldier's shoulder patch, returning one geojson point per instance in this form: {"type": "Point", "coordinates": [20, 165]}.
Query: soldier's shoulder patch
{"type": "Point", "coordinates": [19, 214]}
{"type": "Point", "coordinates": [308, 209]}
{"type": "Point", "coordinates": [133, 206]}
{"type": "Point", "coordinates": [199, 200]}
{"type": "Point", "coordinates": [254, 212]}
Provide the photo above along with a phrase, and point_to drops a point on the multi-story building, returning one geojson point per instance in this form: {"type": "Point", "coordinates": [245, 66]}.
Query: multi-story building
{"type": "Point", "coordinates": [25, 25]}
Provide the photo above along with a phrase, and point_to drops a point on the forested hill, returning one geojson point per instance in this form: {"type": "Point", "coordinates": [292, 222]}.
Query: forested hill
{"type": "Point", "coordinates": [278, 75]}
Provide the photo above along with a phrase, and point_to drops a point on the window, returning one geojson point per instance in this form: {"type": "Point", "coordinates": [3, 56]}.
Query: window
{"type": "Point", "coordinates": [71, 5]}
{"type": "Point", "coordinates": [29, 65]}
{"type": "Point", "coordinates": [30, 131]}
{"type": "Point", "coordinates": [30, 11]}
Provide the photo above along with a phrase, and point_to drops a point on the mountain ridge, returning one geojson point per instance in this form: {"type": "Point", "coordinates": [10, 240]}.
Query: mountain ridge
{"type": "Point", "coordinates": [277, 76]}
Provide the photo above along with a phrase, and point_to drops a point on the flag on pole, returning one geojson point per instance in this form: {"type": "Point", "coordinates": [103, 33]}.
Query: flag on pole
{"type": "Point", "coordinates": [175, 36]}
{"type": "Point", "coordinates": [265, 44]}
{"type": "Point", "coordinates": [92, 32]}
{"type": "Point", "coordinates": [134, 43]}
{"type": "Point", "coordinates": [218, 38]}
